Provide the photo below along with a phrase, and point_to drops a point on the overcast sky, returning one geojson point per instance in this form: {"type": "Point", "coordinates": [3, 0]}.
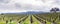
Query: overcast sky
{"type": "Point", "coordinates": [27, 5]}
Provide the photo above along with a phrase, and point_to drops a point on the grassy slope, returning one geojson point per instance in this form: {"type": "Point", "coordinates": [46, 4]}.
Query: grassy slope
{"type": "Point", "coordinates": [27, 21]}
{"type": "Point", "coordinates": [35, 21]}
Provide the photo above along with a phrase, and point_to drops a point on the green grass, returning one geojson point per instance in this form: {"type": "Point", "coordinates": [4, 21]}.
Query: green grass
{"type": "Point", "coordinates": [2, 22]}
{"type": "Point", "coordinates": [15, 18]}
{"type": "Point", "coordinates": [35, 21]}
{"type": "Point", "coordinates": [27, 21]}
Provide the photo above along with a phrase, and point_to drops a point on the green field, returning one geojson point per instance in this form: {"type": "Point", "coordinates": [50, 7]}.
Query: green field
{"type": "Point", "coordinates": [46, 18]}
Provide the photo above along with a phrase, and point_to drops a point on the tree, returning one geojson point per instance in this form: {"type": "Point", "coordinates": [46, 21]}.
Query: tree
{"type": "Point", "coordinates": [54, 9]}
{"type": "Point", "coordinates": [2, 14]}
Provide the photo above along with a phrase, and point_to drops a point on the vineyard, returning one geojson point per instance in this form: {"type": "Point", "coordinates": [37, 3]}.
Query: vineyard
{"type": "Point", "coordinates": [47, 18]}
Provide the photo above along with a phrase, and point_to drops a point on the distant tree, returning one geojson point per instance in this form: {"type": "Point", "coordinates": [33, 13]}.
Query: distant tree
{"type": "Point", "coordinates": [57, 9]}
{"type": "Point", "coordinates": [54, 10]}
{"type": "Point", "coordinates": [2, 14]}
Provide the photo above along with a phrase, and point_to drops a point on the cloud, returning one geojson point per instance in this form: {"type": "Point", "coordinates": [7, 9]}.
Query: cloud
{"type": "Point", "coordinates": [27, 5]}
{"type": "Point", "coordinates": [4, 1]}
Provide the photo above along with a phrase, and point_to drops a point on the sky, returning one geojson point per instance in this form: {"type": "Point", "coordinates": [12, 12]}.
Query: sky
{"type": "Point", "coordinates": [7, 6]}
